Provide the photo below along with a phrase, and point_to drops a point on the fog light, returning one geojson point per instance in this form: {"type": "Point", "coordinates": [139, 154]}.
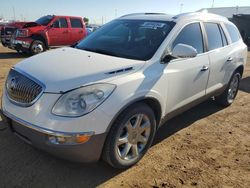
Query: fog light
{"type": "Point", "coordinates": [68, 140]}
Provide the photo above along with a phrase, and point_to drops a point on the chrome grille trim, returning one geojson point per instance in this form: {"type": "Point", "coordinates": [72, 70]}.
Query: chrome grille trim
{"type": "Point", "coordinates": [25, 91]}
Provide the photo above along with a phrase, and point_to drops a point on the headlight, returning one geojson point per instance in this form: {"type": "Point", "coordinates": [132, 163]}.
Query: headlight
{"type": "Point", "coordinates": [82, 100]}
{"type": "Point", "coordinates": [22, 33]}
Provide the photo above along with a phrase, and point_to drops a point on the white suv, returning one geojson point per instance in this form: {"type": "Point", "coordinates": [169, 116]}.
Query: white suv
{"type": "Point", "coordinates": [109, 94]}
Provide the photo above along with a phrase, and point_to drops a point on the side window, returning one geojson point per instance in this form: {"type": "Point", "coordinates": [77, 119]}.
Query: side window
{"type": "Point", "coordinates": [60, 23]}
{"type": "Point", "coordinates": [233, 32]}
{"type": "Point", "coordinates": [191, 35]}
{"type": "Point", "coordinates": [63, 23]}
{"type": "Point", "coordinates": [213, 36]}
{"type": "Point", "coordinates": [75, 23]}
{"type": "Point", "coordinates": [224, 38]}
{"type": "Point", "coordinates": [56, 24]}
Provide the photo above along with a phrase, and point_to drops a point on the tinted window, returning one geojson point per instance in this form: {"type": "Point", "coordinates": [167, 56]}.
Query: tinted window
{"type": "Point", "coordinates": [56, 24]}
{"type": "Point", "coordinates": [63, 23]}
{"type": "Point", "coordinates": [45, 20]}
{"type": "Point", "coordinates": [75, 23]}
{"type": "Point", "coordinates": [213, 36]}
{"type": "Point", "coordinates": [191, 35]}
{"type": "Point", "coordinates": [224, 39]}
{"type": "Point", "coordinates": [233, 32]}
{"type": "Point", "coordinates": [132, 39]}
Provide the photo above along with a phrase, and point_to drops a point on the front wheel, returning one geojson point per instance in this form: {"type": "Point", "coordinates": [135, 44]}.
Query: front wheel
{"type": "Point", "coordinates": [130, 137]}
{"type": "Point", "coordinates": [228, 96]}
{"type": "Point", "coordinates": [37, 47]}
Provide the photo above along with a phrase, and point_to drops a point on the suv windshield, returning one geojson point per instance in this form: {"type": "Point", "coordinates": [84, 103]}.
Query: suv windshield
{"type": "Point", "coordinates": [45, 20]}
{"type": "Point", "coordinates": [132, 39]}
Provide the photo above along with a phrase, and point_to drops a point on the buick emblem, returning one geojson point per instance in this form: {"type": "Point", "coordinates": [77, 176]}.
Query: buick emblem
{"type": "Point", "coordinates": [13, 83]}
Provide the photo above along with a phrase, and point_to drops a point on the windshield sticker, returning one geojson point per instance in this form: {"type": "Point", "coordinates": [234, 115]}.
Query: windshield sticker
{"type": "Point", "coordinates": [153, 25]}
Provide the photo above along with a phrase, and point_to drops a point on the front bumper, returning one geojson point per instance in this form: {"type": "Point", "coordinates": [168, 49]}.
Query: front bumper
{"type": "Point", "coordinates": [22, 44]}
{"type": "Point", "coordinates": [89, 151]}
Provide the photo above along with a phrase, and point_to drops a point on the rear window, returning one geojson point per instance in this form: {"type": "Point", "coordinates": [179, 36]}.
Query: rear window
{"type": "Point", "coordinates": [75, 23]}
{"type": "Point", "coordinates": [233, 32]}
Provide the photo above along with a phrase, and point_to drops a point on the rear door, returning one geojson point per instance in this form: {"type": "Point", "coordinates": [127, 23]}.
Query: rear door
{"type": "Point", "coordinates": [59, 32]}
{"type": "Point", "coordinates": [187, 77]}
{"type": "Point", "coordinates": [220, 56]}
{"type": "Point", "coordinates": [77, 30]}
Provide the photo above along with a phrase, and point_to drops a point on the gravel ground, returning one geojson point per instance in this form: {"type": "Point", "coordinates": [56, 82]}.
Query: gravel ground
{"type": "Point", "coordinates": [207, 146]}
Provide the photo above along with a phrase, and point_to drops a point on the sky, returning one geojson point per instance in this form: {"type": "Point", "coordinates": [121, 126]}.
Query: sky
{"type": "Point", "coordinates": [99, 11]}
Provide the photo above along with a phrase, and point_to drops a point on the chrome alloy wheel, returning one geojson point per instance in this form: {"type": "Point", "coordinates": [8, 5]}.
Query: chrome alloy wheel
{"type": "Point", "coordinates": [133, 137]}
{"type": "Point", "coordinates": [37, 48]}
{"type": "Point", "coordinates": [232, 90]}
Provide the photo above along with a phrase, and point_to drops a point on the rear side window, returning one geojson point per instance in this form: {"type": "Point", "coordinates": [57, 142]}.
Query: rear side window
{"type": "Point", "coordinates": [213, 36]}
{"type": "Point", "coordinates": [75, 23]}
{"type": "Point", "coordinates": [192, 36]}
{"type": "Point", "coordinates": [224, 39]}
{"type": "Point", "coordinates": [233, 32]}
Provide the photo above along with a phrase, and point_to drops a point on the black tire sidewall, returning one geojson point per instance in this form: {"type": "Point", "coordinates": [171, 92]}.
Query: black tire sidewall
{"type": "Point", "coordinates": [112, 154]}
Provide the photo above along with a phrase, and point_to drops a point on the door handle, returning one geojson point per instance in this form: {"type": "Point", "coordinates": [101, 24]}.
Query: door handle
{"type": "Point", "coordinates": [204, 68]}
{"type": "Point", "coordinates": [229, 59]}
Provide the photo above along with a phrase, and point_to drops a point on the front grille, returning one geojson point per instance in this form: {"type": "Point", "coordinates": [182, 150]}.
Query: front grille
{"type": "Point", "coordinates": [21, 89]}
{"type": "Point", "coordinates": [9, 30]}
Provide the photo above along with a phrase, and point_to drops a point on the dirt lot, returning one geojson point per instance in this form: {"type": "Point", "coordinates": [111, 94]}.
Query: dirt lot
{"type": "Point", "coordinates": [207, 146]}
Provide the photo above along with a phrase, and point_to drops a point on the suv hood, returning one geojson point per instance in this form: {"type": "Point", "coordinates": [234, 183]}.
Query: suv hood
{"type": "Point", "coordinates": [64, 69]}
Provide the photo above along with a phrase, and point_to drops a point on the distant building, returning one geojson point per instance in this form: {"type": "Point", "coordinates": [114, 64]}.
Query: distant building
{"type": "Point", "coordinates": [240, 16]}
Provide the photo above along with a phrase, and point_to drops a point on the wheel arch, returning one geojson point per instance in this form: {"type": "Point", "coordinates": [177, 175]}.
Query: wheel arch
{"type": "Point", "coordinates": [240, 69]}
{"type": "Point", "coordinates": [40, 37]}
{"type": "Point", "coordinates": [153, 103]}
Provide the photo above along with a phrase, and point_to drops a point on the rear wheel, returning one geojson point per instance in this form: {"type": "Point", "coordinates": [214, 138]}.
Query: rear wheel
{"type": "Point", "coordinates": [228, 96]}
{"type": "Point", "coordinates": [130, 136]}
{"type": "Point", "coordinates": [37, 47]}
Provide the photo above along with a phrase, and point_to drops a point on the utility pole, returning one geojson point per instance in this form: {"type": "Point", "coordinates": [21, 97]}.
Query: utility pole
{"type": "Point", "coordinates": [181, 7]}
{"type": "Point", "coordinates": [14, 13]}
{"type": "Point", "coordinates": [213, 4]}
{"type": "Point", "coordinates": [115, 13]}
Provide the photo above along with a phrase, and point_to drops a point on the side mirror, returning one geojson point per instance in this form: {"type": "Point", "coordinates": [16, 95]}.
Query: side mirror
{"type": "Point", "coordinates": [180, 51]}
{"type": "Point", "coordinates": [184, 51]}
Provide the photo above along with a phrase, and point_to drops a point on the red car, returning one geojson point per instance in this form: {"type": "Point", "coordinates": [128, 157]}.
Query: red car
{"type": "Point", "coordinates": [48, 31]}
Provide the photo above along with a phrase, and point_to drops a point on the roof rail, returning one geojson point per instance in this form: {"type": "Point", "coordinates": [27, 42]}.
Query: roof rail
{"type": "Point", "coordinates": [198, 14]}
{"type": "Point", "coordinates": [144, 13]}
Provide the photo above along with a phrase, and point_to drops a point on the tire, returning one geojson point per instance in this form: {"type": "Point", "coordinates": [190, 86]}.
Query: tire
{"type": "Point", "coordinates": [37, 46]}
{"type": "Point", "coordinates": [127, 143]}
{"type": "Point", "coordinates": [228, 96]}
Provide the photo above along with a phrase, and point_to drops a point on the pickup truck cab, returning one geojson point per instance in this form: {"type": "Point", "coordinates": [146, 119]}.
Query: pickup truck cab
{"type": "Point", "coordinates": [48, 31]}
{"type": "Point", "coordinates": [108, 95]}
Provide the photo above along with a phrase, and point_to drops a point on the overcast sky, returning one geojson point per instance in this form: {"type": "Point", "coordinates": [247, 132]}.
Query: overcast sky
{"type": "Point", "coordinates": [100, 10]}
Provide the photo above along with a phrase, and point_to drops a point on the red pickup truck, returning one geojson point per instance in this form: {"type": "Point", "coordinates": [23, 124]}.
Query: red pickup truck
{"type": "Point", "coordinates": [48, 31]}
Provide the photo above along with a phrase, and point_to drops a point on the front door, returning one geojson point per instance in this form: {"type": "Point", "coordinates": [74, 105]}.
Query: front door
{"type": "Point", "coordinates": [187, 77]}
{"type": "Point", "coordinates": [59, 32]}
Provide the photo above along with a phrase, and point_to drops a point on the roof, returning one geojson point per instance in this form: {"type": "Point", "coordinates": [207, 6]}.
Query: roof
{"type": "Point", "coordinates": [177, 18]}
{"type": "Point", "coordinates": [228, 11]}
